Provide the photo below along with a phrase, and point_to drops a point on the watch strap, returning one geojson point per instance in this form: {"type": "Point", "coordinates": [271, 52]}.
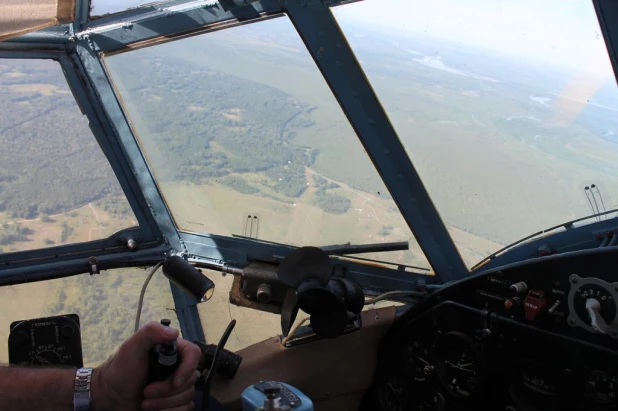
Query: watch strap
{"type": "Point", "coordinates": [81, 391]}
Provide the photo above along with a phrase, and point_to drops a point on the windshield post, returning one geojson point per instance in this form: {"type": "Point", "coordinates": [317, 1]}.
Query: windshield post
{"type": "Point", "coordinates": [344, 75]}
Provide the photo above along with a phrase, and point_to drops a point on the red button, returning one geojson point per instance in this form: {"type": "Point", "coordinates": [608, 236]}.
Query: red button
{"type": "Point", "coordinates": [534, 304]}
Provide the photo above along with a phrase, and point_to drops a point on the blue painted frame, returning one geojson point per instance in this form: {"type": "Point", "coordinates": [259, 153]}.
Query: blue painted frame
{"type": "Point", "coordinates": [331, 52]}
{"type": "Point", "coordinates": [147, 233]}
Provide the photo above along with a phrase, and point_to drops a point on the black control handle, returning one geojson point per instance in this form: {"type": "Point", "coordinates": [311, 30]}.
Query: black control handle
{"type": "Point", "coordinates": [163, 359]}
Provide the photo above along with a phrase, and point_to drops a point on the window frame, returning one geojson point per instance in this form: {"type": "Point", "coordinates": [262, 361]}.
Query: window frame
{"type": "Point", "coordinates": [70, 257]}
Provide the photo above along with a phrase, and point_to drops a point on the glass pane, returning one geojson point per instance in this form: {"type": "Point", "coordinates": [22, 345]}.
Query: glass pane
{"type": "Point", "coordinates": [56, 186]}
{"type": "Point", "coordinates": [102, 7]}
{"type": "Point", "coordinates": [507, 109]}
{"type": "Point", "coordinates": [106, 304]}
{"type": "Point", "coordinates": [245, 138]}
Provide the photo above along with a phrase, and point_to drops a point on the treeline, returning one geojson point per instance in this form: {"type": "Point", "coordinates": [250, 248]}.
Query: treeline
{"type": "Point", "coordinates": [212, 124]}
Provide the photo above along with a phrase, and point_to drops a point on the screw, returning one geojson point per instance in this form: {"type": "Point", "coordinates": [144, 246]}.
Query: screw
{"type": "Point", "coordinates": [574, 280]}
{"type": "Point", "coordinates": [571, 321]}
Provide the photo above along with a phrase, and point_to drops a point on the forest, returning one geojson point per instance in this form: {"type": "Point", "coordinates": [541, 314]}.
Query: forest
{"type": "Point", "coordinates": [219, 128]}
{"type": "Point", "coordinates": [50, 162]}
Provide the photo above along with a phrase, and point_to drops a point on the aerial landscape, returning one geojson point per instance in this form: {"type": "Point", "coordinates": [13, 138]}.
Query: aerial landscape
{"type": "Point", "coordinates": [240, 125]}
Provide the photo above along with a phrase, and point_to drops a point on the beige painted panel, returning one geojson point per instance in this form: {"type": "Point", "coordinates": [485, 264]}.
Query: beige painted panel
{"type": "Point", "coordinates": [333, 373]}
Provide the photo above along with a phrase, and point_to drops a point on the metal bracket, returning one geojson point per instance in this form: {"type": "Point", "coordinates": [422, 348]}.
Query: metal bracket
{"type": "Point", "coordinates": [92, 266]}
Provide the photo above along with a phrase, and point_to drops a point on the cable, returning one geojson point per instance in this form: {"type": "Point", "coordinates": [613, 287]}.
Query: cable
{"type": "Point", "coordinates": [393, 294]}
{"type": "Point", "coordinates": [141, 295]}
{"type": "Point", "coordinates": [294, 329]}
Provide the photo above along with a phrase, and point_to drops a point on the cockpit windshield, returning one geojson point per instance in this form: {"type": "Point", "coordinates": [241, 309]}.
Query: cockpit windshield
{"type": "Point", "coordinates": [246, 139]}
{"type": "Point", "coordinates": [505, 110]}
{"type": "Point", "coordinates": [508, 110]}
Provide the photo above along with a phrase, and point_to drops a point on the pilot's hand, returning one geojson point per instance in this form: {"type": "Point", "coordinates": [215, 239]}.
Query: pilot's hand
{"type": "Point", "coordinates": [120, 384]}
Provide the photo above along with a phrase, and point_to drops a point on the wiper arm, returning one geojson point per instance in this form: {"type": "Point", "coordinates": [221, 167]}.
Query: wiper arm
{"type": "Point", "coordinates": [348, 249]}
{"type": "Point", "coordinates": [566, 225]}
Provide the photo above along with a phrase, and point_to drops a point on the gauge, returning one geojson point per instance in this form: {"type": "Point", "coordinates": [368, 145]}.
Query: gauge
{"type": "Point", "coordinates": [393, 394]}
{"type": "Point", "coordinates": [46, 341]}
{"type": "Point", "coordinates": [534, 386]}
{"type": "Point", "coordinates": [418, 360]}
{"type": "Point", "coordinates": [460, 364]}
{"type": "Point", "coordinates": [601, 387]}
{"type": "Point", "coordinates": [592, 305]}
{"type": "Point", "coordinates": [432, 400]}
{"type": "Point", "coordinates": [48, 357]}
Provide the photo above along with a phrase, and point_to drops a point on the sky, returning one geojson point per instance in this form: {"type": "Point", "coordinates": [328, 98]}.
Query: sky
{"type": "Point", "coordinates": [563, 32]}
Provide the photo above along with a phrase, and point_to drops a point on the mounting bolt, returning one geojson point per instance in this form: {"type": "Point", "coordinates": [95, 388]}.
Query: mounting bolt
{"type": "Point", "coordinates": [571, 321]}
{"type": "Point", "coordinates": [131, 244]}
{"type": "Point", "coordinates": [574, 280]}
{"type": "Point", "coordinates": [92, 262]}
{"type": "Point", "coordinates": [613, 334]}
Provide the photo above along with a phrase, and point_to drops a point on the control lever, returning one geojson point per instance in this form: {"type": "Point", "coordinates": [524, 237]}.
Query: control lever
{"type": "Point", "coordinates": [228, 362]}
{"type": "Point", "coordinates": [214, 365]}
{"type": "Point", "coordinates": [593, 306]}
{"type": "Point", "coordinates": [271, 403]}
{"type": "Point", "coordinates": [163, 359]}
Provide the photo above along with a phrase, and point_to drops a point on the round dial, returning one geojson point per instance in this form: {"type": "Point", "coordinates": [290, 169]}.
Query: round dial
{"type": "Point", "coordinates": [601, 387]}
{"type": "Point", "coordinates": [460, 364]}
{"type": "Point", "coordinates": [593, 305]}
{"type": "Point", "coordinates": [418, 360]}
{"type": "Point", "coordinates": [599, 293]}
{"type": "Point", "coordinates": [534, 386]}
{"type": "Point", "coordinates": [393, 394]}
{"type": "Point", "coordinates": [46, 357]}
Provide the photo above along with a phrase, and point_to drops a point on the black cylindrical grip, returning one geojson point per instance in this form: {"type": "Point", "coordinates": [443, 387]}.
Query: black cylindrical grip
{"type": "Point", "coordinates": [188, 278]}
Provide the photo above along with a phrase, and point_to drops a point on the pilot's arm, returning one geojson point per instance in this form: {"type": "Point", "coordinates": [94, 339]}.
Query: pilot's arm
{"type": "Point", "coordinates": [117, 385]}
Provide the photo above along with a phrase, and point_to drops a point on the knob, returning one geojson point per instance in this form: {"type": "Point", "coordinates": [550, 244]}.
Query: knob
{"type": "Point", "coordinates": [511, 303]}
{"type": "Point", "coordinates": [264, 293]}
{"type": "Point", "coordinates": [67, 331]}
{"type": "Point", "coordinates": [518, 288]}
{"type": "Point", "coordinates": [19, 338]}
{"type": "Point", "coordinates": [593, 306]}
{"type": "Point", "coordinates": [272, 392]}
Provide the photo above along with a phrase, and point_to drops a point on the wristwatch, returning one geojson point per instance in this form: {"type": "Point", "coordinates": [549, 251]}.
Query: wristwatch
{"type": "Point", "coordinates": [81, 392]}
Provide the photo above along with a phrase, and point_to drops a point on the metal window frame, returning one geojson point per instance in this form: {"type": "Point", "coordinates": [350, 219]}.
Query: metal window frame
{"type": "Point", "coordinates": [147, 233]}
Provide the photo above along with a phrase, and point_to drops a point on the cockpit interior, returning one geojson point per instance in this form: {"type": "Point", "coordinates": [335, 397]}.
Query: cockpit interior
{"type": "Point", "coordinates": [372, 205]}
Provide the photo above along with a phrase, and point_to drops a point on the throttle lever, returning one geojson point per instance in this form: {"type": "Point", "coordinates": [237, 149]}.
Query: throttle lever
{"type": "Point", "coordinates": [163, 359]}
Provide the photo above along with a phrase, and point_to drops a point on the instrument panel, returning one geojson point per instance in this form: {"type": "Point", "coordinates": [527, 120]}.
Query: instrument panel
{"type": "Point", "coordinates": [536, 336]}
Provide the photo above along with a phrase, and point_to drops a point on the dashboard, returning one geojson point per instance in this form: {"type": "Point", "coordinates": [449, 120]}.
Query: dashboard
{"type": "Point", "coordinates": [541, 335]}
